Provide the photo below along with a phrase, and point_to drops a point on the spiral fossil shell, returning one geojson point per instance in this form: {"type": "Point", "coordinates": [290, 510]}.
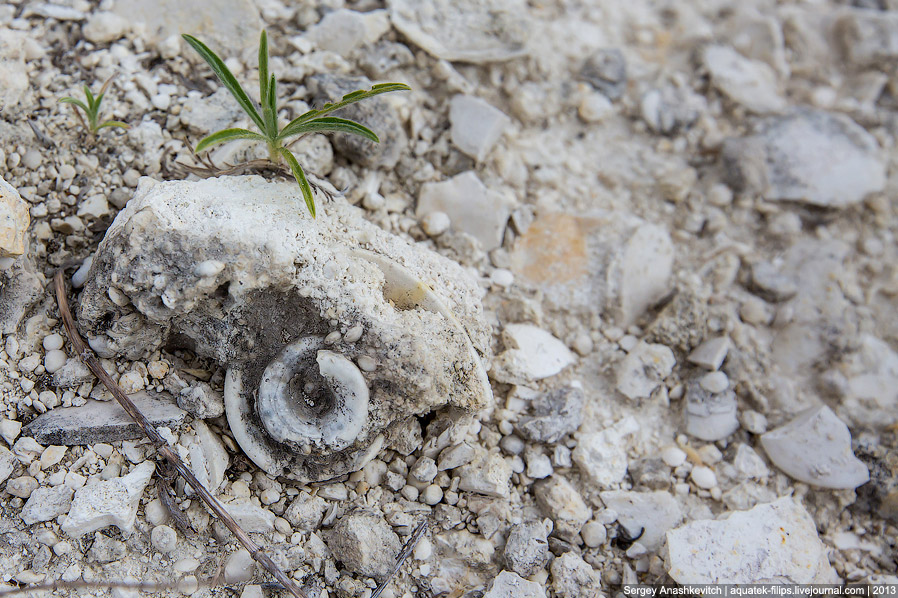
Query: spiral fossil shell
{"type": "Point", "coordinates": [334, 334]}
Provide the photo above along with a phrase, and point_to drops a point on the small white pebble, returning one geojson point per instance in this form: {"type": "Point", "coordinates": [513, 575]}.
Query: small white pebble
{"type": "Point", "coordinates": [423, 550]}
{"type": "Point", "coordinates": [208, 268]}
{"type": "Point", "coordinates": [157, 369]}
{"type": "Point", "coordinates": [432, 495]}
{"type": "Point", "coordinates": [53, 341]}
{"type": "Point", "coordinates": [31, 160]}
{"type": "Point", "coordinates": [366, 363]}
{"type": "Point", "coordinates": [80, 275]}
{"type": "Point", "coordinates": [130, 382]}
{"type": "Point", "coordinates": [54, 360]}
{"type": "Point", "coordinates": [333, 337]}
{"type": "Point", "coordinates": [269, 496]}
{"type": "Point", "coordinates": [703, 477]}
{"type": "Point", "coordinates": [628, 342]}
{"type": "Point", "coordinates": [164, 538]}
{"type": "Point", "coordinates": [594, 534]}
{"type": "Point", "coordinates": [353, 334]}
{"type": "Point", "coordinates": [715, 382]}
{"type": "Point", "coordinates": [410, 493]}
{"type": "Point", "coordinates": [502, 278]}
{"type": "Point", "coordinates": [67, 172]}
{"type": "Point", "coordinates": [435, 224]}
{"type": "Point", "coordinates": [673, 456]}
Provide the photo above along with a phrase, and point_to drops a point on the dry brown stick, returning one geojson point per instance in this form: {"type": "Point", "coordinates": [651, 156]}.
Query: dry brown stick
{"type": "Point", "coordinates": [162, 447]}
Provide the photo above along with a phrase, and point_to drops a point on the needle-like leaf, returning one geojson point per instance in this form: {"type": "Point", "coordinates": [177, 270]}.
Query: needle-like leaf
{"type": "Point", "coordinates": [350, 98]}
{"type": "Point", "coordinates": [263, 69]}
{"type": "Point", "coordinates": [76, 102]}
{"type": "Point", "coordinates": [227, 79]}
{"type": "Point", "coordinates": [329, 124]}
{"type": "Point", "coordinates": [271, 111]}
{"type": "Point", "coordinates": [114, 123]}
{"type": "Point", "coordinates": [300, 177]}
{"type": "Point", "coordinates": [228, 135]}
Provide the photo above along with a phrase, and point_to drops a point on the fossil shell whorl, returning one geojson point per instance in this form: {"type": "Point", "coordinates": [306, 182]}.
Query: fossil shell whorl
{"type": "Point", "coordinates": [234, 271]}
{"type": "Point", "coordinates": [312, 396]}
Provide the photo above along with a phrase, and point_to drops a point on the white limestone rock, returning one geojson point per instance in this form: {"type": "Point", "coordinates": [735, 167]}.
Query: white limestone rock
{"type": "Point", "coordinates": [710, 353]}
{"type": "Point", "coordinates": [656, 512]}
{"type": "Point", "coordinates": [872, 376]}
{"type": "Point", "coordinates": [108, 502]}
{"type": "Point", "coordinates": [643, 370]}
{"type": "Point", "coordinates": [815, 448]}
{"type": "Point", "coordinates": [343, 30]}
{"type": "Point", "coordinates": [823, 322]}
{"type": "Point", "coordinates": [511, 585]}
{"type": "Point", "coordinates": [560, 501]}
{"type": "Point", "coordinates": [709, 416]}
{"type": "Point", "coordinates": [14, 219]}
{"type": "Point", "coordinates": [13, 76]}
{"type": "Point", "coordinates": [365, 542]}
{"type": "Point", "coordinates": [807, 156]}
{"type": "Point", "coordinates": [206, 456]}
{"type": "Point", "coordinates": [233, 26]}
{"type": "Point", "coordinates": [476, 125]}
{"type": "Point", "coordinates": [282, 282]}
{"type": "Point", "coordinates": [602, 456]}
{"type": "Point", "coordinates": [531, 354]}
{"type": "Point", "coordinates": [771, 543]}
{"type": "Point", "coordinates": [748, 82]}
{"type": "Point", "coordinates": [250, 516]}
{"type": "Point", "coordinates": [471, 206]}
{"type": "Point", "coordinates": [488, 474]}
{"type": "Point", "coordinates": [46, 504]}
{"type": "Point", "coordinates": [8, 463]}
{"type": "Point", "coordinates": [572, 577]}
{"type": "Point", "coordinates": [105, 27]}
{"type": "Point", "coordinates": [464, 30]}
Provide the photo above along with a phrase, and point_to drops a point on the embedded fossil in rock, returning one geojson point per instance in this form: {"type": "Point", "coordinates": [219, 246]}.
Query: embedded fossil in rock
{"type": "Point", "coordinates": [333, 332]}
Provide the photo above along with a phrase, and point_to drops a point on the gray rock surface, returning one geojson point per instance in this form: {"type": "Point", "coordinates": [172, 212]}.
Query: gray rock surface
{"type": "Point", "coordinates": [376, 113]}
{"type": "Point", "coordinates": [527, 548]}
{"type": "Point", "coordinates": [365, 543]}
{"type": "Point", "coordinates": [45, 504]}
{"type": "Point", "coordinates": [553, 414]}
{"type": "Point", "coordinates": [573, 577]}
{"type": "Point", "coordinates": [104, 421]}
{"type": "Point", "coordinates": [807, 156]}
{"type": "Point", "coordinates": [512, 585]}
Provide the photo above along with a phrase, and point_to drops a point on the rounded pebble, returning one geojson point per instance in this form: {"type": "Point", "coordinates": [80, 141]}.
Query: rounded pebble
{"type": "Point", "coordinates": [594, 534]}
{"type": "Point", "coordinates": [54, 360]}
{"type": "Point", "coordinates": [53, 341]}
{"type": "Point", "coordinates": [673, 456]}
{"type": "Point", "coordinates": [432, 495]}
{"type": "Point", "coordinates": [164, 538]}
{"type": "Point", "coordinates": [435, 223]}
{"type": "Point", "coordinates": [715, 382]}
{"type": "Point", "coordinates": [703, 477]}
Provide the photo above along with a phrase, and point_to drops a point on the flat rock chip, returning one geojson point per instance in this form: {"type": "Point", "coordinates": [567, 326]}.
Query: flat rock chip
{"type": "Point", "coordinates": [464, 30]}
{"type": "Point", "coordinates": [99, 421]}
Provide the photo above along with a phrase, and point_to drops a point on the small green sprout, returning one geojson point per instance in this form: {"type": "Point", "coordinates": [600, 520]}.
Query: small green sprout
{"type": "Point", "coordinates": [267, 121]}
{"type": "Point", "coordinates": [92, 110]}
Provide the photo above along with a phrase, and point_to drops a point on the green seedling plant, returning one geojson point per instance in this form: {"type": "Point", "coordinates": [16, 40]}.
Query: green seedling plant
{"type": "Point", "coordinates": [91, 110]}
{"type": "Point", "coordinates": [313, 121]}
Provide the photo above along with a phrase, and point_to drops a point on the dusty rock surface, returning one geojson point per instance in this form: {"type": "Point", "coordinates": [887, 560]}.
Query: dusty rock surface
{"type": "Point", "coordinates": [676, 223]}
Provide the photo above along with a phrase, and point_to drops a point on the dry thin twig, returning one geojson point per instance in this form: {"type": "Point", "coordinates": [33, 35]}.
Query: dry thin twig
{"type": "Point", "coordinates": [56, 586]}
{"type": "Point", "coordinates": [162, 447]}
{"type": "Point", "coordinates": [403, 554]}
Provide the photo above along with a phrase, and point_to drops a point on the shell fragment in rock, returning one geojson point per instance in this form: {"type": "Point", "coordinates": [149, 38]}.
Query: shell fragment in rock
{"type": "Point", "coordinates": [333, 332]}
